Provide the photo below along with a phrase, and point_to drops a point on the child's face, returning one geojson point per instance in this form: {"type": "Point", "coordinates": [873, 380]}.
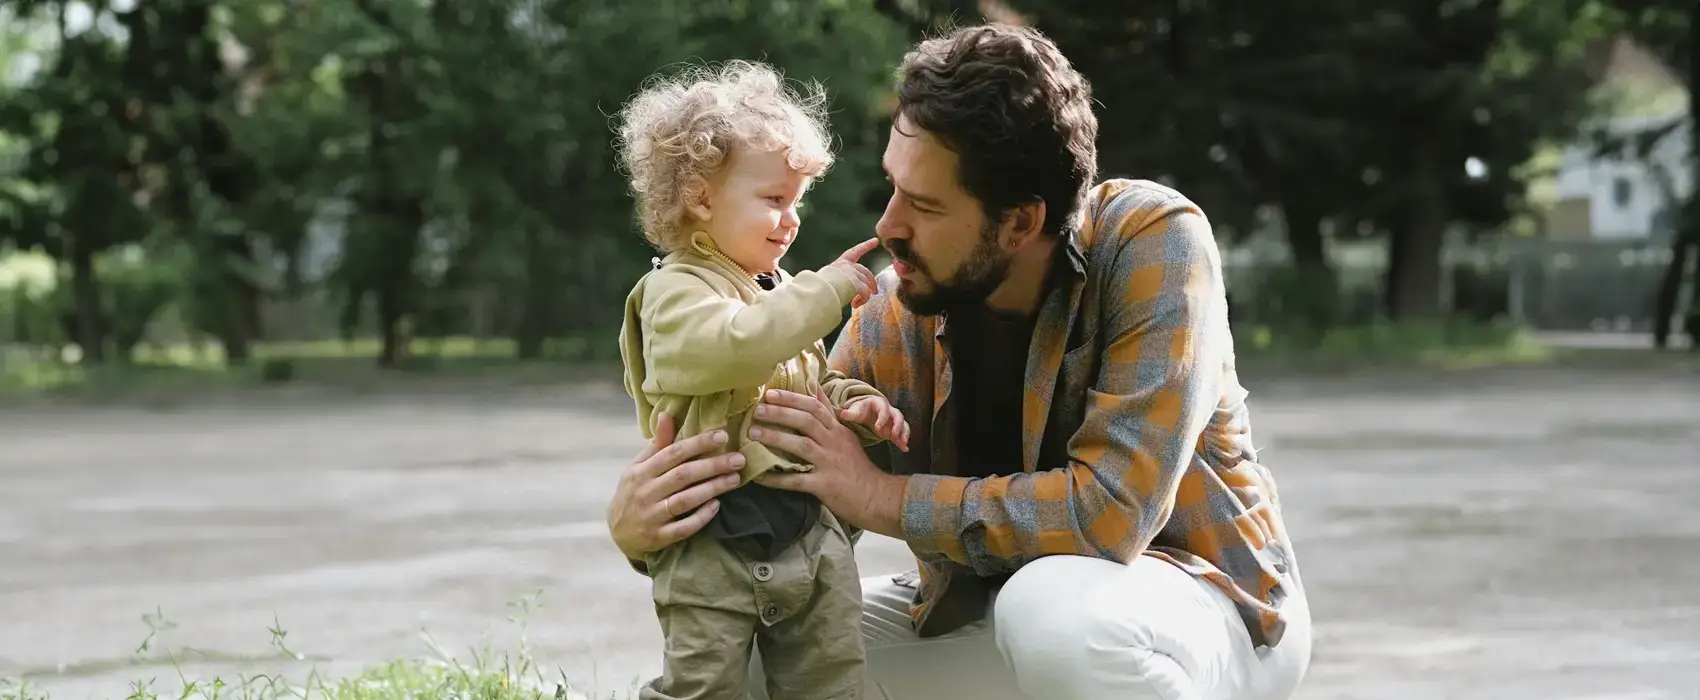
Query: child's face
{"type": "Point", "coordinates": [751, 208]}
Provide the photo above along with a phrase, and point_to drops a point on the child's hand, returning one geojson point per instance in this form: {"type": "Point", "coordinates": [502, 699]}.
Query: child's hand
{"type": "Point", "coordinates": [882, 418]}
{"type": "Point", "coordinates": [863, 279]}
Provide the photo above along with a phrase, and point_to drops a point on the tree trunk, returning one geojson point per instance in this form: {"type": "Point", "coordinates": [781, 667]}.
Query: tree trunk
{"type": "Point", "coordinates": [233, 335]}
{"type": "Point", "coordinates": [1414, 254]}
{"type": "Point", "coordinates": [85, 296]}
{"type": "Point", "coordinates": [396, 211]}
{"type": "Point", "coordinates": [1316, 288]}
{"type": "Point", "coordinates": [401, 221]}
{"type": "Point", "coordinates": [236, 330]}
{"type": "Point", "coordinates": [1688, 232]}
{"type": "Point", "coordinates": [390, 317]}
{"type": "Point", "coordinates": [1664, 309]}
{"type": "Point", "coordinates": [533, 322]}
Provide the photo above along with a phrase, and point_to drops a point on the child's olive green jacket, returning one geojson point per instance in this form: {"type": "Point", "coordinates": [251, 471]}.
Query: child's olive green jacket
{"type": "Point", "coordinates": [702, 341]}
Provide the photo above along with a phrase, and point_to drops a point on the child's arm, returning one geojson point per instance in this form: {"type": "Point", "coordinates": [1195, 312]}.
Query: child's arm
{"type": "Point", "coordinates": [842, 391]}
{"type": "Point", "coordinates": [699, 342]}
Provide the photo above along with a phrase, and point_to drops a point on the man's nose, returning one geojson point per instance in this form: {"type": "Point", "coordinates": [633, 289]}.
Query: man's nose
{"type": "Point", "coordinates": [891, 225]}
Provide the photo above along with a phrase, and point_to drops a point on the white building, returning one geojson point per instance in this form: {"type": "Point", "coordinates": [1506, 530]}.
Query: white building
{"type": "Point", "coordinates": [1626, 195]}
{"type": "Point", "coordinates": [1620, 196]}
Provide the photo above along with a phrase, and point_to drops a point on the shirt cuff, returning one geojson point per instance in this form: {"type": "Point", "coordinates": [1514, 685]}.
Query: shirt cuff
{"type": "Point", "coordinates": [931, 520]}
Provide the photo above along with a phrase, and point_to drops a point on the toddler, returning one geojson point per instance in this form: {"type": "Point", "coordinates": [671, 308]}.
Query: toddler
{"type": "Point", "coordinates": [718, 160]}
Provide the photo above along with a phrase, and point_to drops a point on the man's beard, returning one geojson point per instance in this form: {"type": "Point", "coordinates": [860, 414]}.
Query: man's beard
{"type": "Point", "coordinates": [977, 277]}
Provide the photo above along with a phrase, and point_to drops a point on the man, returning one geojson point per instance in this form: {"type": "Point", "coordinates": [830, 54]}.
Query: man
{"type": "Point", "coordinates": [1081, 490]}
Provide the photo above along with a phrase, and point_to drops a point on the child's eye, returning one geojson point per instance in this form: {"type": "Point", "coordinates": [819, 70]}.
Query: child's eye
{"type": "Point", "coordinates": [775, 200]}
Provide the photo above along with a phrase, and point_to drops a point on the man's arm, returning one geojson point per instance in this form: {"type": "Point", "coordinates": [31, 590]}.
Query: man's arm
{"type": "Point", "coordinates": [850, 366]}
{"type": "Point", "coordinates": [698, 342]}
{"type": "Point", "coordinates": [1156, 391]}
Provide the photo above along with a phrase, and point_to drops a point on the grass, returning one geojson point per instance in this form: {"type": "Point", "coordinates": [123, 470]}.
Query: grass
{"type": "Point", "coordinates": [1438, 345]}
{"type": "Point", "coordinates": [487, 675]}
{"type": "Point", "coordinates": [158, 372]}
{"type": "Point", "coordinates": [165, 374]}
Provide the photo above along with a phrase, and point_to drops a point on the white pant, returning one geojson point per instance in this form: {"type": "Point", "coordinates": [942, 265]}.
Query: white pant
{"type": "Point", "coordinates": [1078, 628]}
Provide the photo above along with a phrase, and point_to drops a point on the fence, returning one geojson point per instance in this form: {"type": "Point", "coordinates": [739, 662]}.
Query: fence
{"type": "Point", "coordinates": [1539, 284]}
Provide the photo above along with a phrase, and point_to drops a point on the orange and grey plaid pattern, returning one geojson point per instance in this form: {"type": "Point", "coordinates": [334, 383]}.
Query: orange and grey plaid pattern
{"type": "Point", "coordinates": [1136, 433]}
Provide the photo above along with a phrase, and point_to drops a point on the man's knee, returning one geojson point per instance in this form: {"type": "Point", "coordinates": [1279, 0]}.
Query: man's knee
{"type": "Point", "coordinates": [1066, 628]}
{"type": "Point", "coordinates": [1045, 626]}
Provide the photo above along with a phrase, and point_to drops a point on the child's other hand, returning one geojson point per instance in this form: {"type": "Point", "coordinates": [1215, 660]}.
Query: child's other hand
{"type": "Point", "coordinates": [882, 418]}
{"type": "Point", "coordinates": [863, 279]}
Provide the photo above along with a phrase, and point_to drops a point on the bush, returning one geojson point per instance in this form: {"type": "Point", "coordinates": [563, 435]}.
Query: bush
{"type": "Point", "coordinates": [136, 287]}
{"type": "Point", "coordinates": [277, 370]}
{"type": "Point", "coordinates": [29, 310]}
{"type": "Point", "coordinates": [1300, 301]}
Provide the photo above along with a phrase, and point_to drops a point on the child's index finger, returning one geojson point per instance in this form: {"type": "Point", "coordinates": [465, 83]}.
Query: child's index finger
{"type": "Point", "coordinates": [856, 252]}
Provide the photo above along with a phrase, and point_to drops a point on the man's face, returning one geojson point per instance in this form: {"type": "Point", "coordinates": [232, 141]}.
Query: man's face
{"type": "Point", "coordinates": [944, 248]}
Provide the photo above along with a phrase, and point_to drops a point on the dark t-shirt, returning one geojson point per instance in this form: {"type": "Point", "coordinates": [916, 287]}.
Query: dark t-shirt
{"type": "Point", "coordinates": [989, 379]}
{"type": "Point", "coordinates": [989, 368]}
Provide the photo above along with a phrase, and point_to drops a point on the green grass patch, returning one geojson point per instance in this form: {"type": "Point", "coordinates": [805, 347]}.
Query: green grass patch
{"type": "Point", "coordinates": [1443, 345]}
{"type": "Point", "coordinates": [186, 369]}
{"type": "Point", "coordinates": [484, 674]}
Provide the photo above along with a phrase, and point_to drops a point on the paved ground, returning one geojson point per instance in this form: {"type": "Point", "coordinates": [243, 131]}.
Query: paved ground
{"type": "Point", "coordinates": [1498, 535]}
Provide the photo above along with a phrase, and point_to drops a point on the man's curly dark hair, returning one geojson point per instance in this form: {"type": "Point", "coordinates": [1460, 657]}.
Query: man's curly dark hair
{"type": "Point", "coordinates": [1017, 115]}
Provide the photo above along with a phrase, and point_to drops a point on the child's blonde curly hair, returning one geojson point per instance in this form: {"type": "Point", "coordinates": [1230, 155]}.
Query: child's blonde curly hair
{"type": "Point", "coordinates": [681, 127]}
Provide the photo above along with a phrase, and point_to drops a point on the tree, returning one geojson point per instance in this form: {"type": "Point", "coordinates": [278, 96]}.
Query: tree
{"type": "Point", "coordinates": [76, 192]}
{"type": "Point", "coordinates": [1668, 29]}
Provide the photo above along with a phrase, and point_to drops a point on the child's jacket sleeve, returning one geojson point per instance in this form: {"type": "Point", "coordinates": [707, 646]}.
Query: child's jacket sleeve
{"type": "Point", "coordinates": [841, 391]}
{"type": "Point", "coordinates": [701, 342]}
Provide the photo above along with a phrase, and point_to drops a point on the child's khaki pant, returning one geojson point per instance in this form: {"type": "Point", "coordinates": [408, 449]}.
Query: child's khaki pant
{"type": "Point", "coordinates": [803, 610]}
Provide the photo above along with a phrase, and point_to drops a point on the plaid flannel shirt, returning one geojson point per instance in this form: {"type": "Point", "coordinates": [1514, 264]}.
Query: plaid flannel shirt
{"type": "Point", "coordinates": [1136, 436]}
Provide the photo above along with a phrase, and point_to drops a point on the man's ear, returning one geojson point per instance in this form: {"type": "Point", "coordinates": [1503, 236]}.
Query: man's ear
{"type": "Point", "coordinates": [1023, 223]}
{"type": "Point", "coordinates": [696, 198]}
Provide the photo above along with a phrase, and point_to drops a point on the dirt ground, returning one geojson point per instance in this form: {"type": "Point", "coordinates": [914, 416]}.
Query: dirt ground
{"type": "Point", "coordinates": [1503, 534]}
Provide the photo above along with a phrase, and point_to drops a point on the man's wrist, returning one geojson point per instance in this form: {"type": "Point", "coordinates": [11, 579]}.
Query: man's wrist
{"type": "Point", "coordinates": [884, 511]}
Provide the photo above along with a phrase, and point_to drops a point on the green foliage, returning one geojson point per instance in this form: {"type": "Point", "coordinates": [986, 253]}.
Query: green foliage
{"type": "Point", "coordinates": [28, 305]}
{"type": "Point", "coordinates": [439, 169]}
{"type": "Point", "coordinates": [1303, 301]}
{"type": "Point", "coordinates": [138, 286]}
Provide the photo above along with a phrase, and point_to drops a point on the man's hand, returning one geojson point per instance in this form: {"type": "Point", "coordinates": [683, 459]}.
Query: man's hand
{"type": "Point", "coordinates": [881, 417]}
{"type": "Point", "coordinates": [662, 498]}
{"type": "Point", "coordinates": [863, 279]}
{"type": "Point", "coordinates": [843, 478]}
